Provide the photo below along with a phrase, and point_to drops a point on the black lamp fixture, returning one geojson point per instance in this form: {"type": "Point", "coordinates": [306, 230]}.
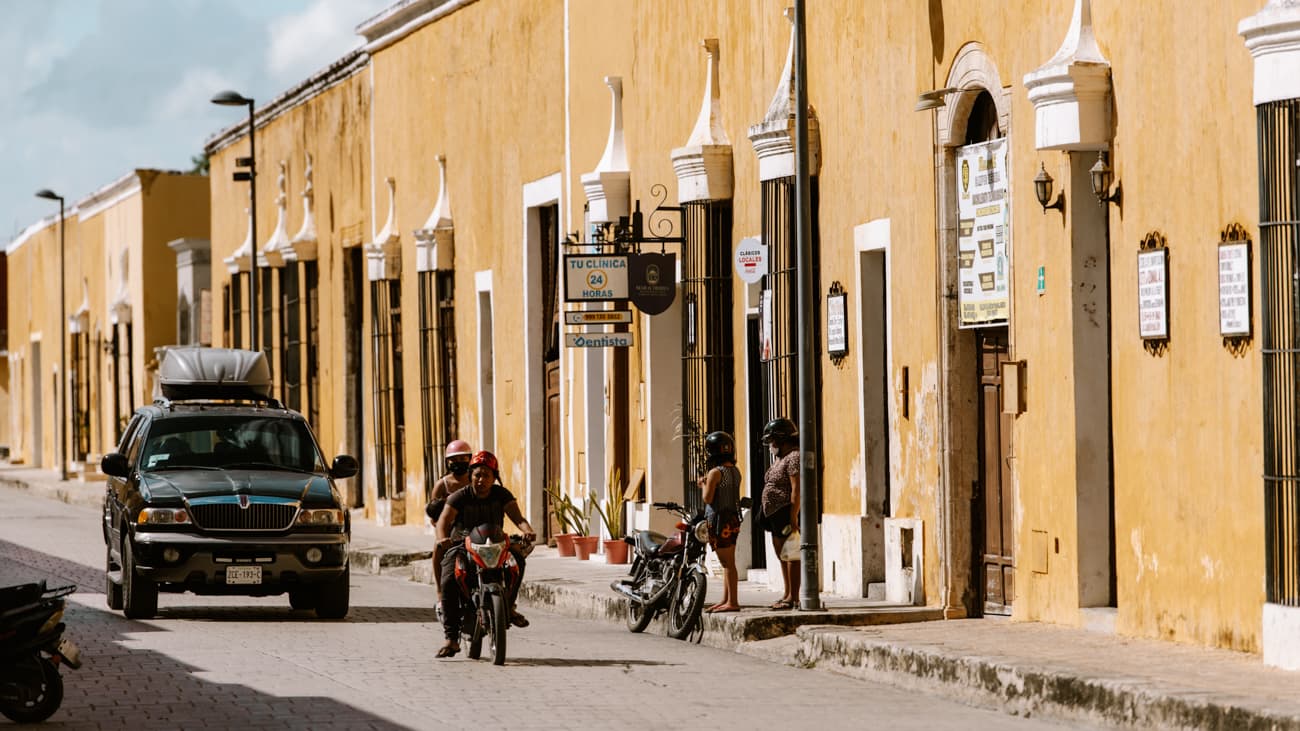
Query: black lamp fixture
{"type": "Point", "coordinates": [1100, 175]}
{"type": "Point", "coordinates": [1043, 190]}
{"type": "Point", "coordinates": [235, 99]}
{"type": "Point", "coordinates": [50, 195]}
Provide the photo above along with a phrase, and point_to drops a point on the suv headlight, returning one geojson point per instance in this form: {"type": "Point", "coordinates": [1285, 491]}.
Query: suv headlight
{"type": "Point", "coordinates": [163, 516]}
{"type": "Point", "coordinates": [320, 516]}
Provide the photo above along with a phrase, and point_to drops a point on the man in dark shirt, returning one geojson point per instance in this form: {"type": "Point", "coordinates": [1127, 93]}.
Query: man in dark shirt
{"type": "Point", "coordinates": [484, 500]}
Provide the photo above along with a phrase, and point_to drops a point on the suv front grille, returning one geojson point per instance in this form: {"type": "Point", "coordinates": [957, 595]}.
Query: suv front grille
{"type": "Point", "coordinates": [257, 516]}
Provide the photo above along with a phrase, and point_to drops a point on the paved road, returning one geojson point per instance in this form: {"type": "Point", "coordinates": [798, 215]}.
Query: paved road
{"type": "Point", "coordinates": [228, 662]}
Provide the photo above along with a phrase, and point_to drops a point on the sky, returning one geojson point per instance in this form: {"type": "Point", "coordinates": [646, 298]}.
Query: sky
{"type": "Point", "coordinates": [93, 89]}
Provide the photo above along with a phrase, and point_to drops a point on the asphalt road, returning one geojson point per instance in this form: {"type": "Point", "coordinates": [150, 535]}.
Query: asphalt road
{"type": "Point", "coordinates": [246, 663]}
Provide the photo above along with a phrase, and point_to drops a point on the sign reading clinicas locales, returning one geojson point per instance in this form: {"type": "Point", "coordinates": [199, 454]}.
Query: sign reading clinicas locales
{"type": "Point", "coordinates": [595, 278]}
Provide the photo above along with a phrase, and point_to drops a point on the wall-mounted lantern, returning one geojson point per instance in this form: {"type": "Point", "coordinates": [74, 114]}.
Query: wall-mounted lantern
{"type": "Point", "coordinates": [1043, 191]}
{"type": "Point", "coordinates": [1100, 175]}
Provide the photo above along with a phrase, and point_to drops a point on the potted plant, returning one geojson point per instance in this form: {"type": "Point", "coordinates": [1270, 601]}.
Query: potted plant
{"type": "Point", "coordinates": [584, 544]}
{"type": "Point", "coordinates": [612, 515]}
{"type": "Point", "coordinates": [566, 514]}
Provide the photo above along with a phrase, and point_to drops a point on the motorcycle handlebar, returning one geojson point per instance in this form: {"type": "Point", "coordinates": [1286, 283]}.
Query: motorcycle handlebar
{"type": "Point", "coordinates": [668, 506]}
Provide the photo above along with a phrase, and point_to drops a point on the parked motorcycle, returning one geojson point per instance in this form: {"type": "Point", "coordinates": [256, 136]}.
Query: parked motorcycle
{"type": "Point", "coordinates": [486, 609]}
{"type": "Point", "coordinates": [667, 575]}
{"type": "Point", "coordinates": [32, 647]}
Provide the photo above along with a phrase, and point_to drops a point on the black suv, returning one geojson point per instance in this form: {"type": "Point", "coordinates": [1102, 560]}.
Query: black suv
{"type": "Point", "coordinates": [219, 489]}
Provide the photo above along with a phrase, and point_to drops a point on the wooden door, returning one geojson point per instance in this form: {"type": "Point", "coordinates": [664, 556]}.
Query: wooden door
{"type": "Point", "coordinates": [551, 442]}
{"type": "Point", "coordinates": [997, 554]}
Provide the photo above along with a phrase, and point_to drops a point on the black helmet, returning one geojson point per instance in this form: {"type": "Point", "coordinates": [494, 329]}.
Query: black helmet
{"type": "Point", "coordinates": [779, 430]}
{"type": "Point", "coordinates": [719, 447]}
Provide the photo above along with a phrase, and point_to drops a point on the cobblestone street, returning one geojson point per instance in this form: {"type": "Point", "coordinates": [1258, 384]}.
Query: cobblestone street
{"type": "Point", "coordinates": [218, 662]}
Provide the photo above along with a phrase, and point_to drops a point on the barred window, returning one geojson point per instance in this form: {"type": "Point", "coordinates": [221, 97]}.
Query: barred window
{"type": "Point", "coordinates": [708, 382]}
{"type": "Point", "coordinates": [266, 301]}
{"type": "Point", "coordinates": [311, 304]}
{"type": "Point", "coordinates": [290, 338]}
{"type": "Point", "coordinates": [386, 369]}
{"type": "Point", "coordinates": [1279, 216]}
{"type": "Point", "coordinates": [437, 371]}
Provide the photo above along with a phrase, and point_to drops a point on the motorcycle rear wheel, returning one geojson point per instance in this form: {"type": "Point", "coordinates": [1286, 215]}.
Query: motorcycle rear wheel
{"type": "Point", "coordinates": [499, 621]}
{"type": "Point", "coordinates": [49, 692]}
{"type": "Point", "coordinates": [687, 605]}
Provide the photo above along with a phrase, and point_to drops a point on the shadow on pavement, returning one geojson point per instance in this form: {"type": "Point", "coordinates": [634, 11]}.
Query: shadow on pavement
{"type": "Point", "coordinates": [356, 615]}
{"type": "Point", "coordinates": [579, 662]}
{"type": "Point", "coordinates": [125, 687]}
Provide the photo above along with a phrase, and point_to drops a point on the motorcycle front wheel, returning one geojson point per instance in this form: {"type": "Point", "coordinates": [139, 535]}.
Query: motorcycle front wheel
{"type": "Point", "coordinates": [45, 687]}
{"type": "Point", "coordinates": [687, 605]}
{"type": "Point", "coordinates": [638, 616]}
{"type": "Point", "coordinates": [475, 634]}
{"type": "Point", "coordinates": [499, 621]}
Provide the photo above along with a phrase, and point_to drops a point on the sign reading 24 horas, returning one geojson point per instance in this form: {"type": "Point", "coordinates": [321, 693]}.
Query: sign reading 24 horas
{"type": "Point", "coordinates": [595, 278]}
{"type": "Point", "coordinates": [983, 234]}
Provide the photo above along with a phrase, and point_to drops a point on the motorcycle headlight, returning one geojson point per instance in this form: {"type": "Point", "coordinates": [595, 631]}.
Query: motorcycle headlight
{"type": "Point", "coordinates": [702, 531]}
{"type": "Point", "coordinates": [489, 553]}
{"type": "Point", "coordinates": [320, 516]}
{"type": "Point", "coordinates": [163, 516]}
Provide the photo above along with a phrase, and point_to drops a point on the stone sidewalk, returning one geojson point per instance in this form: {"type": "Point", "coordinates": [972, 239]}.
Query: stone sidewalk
{"type": "Point", "coordinates": [1021, 668]}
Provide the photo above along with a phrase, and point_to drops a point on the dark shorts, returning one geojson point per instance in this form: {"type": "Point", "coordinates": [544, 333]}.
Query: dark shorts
{"type": "Point", "coordinates": [778, 523]}
{"type": "Point", "coordinates": [724, 529]}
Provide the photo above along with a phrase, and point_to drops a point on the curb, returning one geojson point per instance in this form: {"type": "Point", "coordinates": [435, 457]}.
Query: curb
{"type": "Point", "coordinates": [92, 498]}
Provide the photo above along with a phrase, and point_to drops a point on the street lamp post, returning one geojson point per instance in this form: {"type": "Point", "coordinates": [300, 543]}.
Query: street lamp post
{"type": "Point", "coordinates": [235, 99]}
{"type": "Point", "coordinates": [48, 194]}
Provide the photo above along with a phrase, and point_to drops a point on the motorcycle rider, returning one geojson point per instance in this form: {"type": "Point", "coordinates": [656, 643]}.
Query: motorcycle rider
{"type": "Point", "coordinates": [456, 461]}
{"type": "Point", "coordinates": [484, 500]}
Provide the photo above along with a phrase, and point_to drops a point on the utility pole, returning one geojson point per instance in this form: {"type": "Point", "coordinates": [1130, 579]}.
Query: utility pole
{"type": "Point", "coordinates": [809, 599]}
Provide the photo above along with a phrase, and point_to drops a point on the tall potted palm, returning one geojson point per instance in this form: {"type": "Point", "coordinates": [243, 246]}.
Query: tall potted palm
{"type": "Point", "coordinates": [613, 515]}
{"type": "Point", "coordinates": [567, 515]}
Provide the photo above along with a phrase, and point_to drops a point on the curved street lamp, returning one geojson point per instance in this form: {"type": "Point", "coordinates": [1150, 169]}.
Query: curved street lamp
{"type": "Point", "coordinates": [48, 194]}
{"type": "Point", "coordinates": [230, 98]}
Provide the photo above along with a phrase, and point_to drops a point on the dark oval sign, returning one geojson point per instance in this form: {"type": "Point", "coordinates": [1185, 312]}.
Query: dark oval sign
{"type": "Point", "coordinates": [652, 281]}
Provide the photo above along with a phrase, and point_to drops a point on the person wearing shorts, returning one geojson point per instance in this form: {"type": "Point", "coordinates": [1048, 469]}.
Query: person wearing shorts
{"type": "Point", "coordinates": [721, 487]}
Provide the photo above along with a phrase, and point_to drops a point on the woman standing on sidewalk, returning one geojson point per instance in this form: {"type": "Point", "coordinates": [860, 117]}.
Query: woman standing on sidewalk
{"type": "Point", "coordinates": [721, 486]}
{"type": "Point", "coordinates": [780, 501]}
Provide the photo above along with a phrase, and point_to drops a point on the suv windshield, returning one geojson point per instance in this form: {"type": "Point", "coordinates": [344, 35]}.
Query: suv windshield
{"type": "Point", "coordinates": [230, 440]}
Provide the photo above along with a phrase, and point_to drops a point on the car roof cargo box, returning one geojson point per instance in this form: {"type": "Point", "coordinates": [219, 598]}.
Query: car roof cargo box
{"type": "Point", "coordinates": [214, 374]}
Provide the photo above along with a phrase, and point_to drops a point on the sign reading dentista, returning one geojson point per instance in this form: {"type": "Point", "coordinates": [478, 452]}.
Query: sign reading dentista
{"type": "Point", "coordinates": [596, 278]}
{"type": "Point", "coordinates": [751, 260]}
{"type": "Point", "coordinates": [983, 234]}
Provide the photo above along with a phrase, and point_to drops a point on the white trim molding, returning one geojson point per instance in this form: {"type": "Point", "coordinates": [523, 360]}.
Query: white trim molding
{"type": "Point", "coordinates": [384, 254]}
{"type": "Point", "coordinates": [773, 138]}
{"type": "Point", "coordinates": [609, 186]}
{"type": "Point", "coordinates": [435, 242]}
{"type": "Point", "coordinates": [1282, 636]}
{"type": "Point", "coordinates": [972, 71]}
{"type": "Point", "coordinates": [1071, 93]}
{"type": "Point", "coordinates": [704, 164]}
{"type": "Point", "coordinates": [1273, 38]}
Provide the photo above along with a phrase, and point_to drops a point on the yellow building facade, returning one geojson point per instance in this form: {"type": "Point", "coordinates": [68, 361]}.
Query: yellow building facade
{"type": "Point", "coordinates": [1056, 412]}
{"type": "Point", "coordinates": [119, 289]}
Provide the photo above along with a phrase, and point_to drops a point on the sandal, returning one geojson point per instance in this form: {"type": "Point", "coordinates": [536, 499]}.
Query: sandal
{"type": "Point", "coordinates": [518, 619]}
{"type": "Point", "coordinates": [784, 604]}
{"type": "Point", "coordinates": [448, 650]}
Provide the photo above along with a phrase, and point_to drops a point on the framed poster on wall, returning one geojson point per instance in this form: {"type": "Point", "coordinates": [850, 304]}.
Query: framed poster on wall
{"type": "Point", "coordinates": [1153, 294]}
{"type": "Point", "coordinates": [983, 234]}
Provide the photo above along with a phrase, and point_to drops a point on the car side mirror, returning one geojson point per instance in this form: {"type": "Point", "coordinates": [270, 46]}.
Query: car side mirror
{"type": "Point", "coordinates": [344, 466]}
{"type": "Point", "coordinates": [115, 464]}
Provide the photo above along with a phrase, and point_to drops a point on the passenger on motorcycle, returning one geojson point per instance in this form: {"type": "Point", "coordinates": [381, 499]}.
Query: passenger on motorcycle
{"type": "Point", "coordinates": [484, 500]}
{"type": "Point", "coordinates": [456, 460]}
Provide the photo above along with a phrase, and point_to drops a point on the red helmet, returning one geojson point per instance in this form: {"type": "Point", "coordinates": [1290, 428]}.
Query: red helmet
{"type": "Point", "coordinates": [457, 448]}
{"type": "Point", "coordinates": [485, 458]}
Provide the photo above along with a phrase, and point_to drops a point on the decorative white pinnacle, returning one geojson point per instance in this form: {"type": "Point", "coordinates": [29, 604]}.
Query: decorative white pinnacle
{"type": "Point", "coordinates": [609, 187]}
{"type": "Point", "coordinates": [303, 245]}
{"type": "Point", "coordinates": [435, 241]}
{"type": "Point", "coordinates": [1071, 92]}
{"type": "Point", "coordinates": [384, 256]}
{"type": "Point", "coordinates": [120, 309]}
{"type": "Point", "coordinates": [273, 251]}
{"type": "Point", "coordinates": [79, 321]}
{"type": "Point", "coordinates": [1273, 38]}
{"type": "Point", "coordinates": [704, 166]}
{"type": "Point", "coordinates": [773, 138]}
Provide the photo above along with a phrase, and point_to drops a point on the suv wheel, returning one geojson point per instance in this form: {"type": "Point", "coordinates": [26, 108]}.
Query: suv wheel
{"type": "Point", "coordinates": [139, 595]}
{"type": "Point", "coordinates": [302, 598]}
{"type": "Point", "coordinates": [112, 589]}
{"type": "Point", "coordinates": [332, 597]}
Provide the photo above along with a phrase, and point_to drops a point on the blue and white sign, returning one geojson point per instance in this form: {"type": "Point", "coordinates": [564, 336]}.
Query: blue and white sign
{"type": "Point", "coordinates": [595, 278]}
{"type": "Point", "coordinates": [598, 340]}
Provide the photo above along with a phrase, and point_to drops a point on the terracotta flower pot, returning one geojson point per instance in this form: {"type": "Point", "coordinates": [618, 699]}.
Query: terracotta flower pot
{"type": "Point", "coordinates": [616, 551]}
{"type": "Point", "coordinates": [564, 543]}
{"type": "Point", "coordinates": [585, 546]}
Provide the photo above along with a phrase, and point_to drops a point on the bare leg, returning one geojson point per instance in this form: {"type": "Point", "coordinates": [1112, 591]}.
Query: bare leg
{"type": "Point", "coordinates": [438, 551]}
{"type": "Point", "coordinates": [731, 579]}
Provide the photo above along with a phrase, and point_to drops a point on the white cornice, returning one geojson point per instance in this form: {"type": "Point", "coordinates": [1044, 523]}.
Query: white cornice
{"type": "Point", "coordinates": [609, 186]}
{"type": "Point", "coordinates": [109, 195]}
{"type": "Point", "coordinates": [773, 138]}
{"type": "Point", "coordinates": [1071, 92]}
{"type": "Point", "coordinates": [1273, 38]}
{"type": "Point", "coordinates": [30, 232]}
{"type": "Point", "coordinates": [403, 18]}
{"type": "Point", "coordinates": [704, 164]}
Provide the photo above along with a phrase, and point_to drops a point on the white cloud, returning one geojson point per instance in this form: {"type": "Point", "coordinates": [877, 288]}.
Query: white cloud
{"type": "Point", "coordinates": [189, 98]}
{"type": "Point", "coordinates": [306, 42]}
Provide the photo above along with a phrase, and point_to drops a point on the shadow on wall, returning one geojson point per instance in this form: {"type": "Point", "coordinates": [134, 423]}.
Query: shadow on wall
{"type": "Point", "coordinates": [936, 29]}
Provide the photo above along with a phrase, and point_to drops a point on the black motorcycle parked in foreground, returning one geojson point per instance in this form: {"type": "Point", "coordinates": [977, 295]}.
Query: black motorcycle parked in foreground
{"type": "Point", "coordinates": [667, 575]}
{"type": "Point", "coordinates": [32, 646]}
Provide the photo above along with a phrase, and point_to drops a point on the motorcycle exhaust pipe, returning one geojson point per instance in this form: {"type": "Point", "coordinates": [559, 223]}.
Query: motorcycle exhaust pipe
{"type": "Point", "coordinates": [619, 586]}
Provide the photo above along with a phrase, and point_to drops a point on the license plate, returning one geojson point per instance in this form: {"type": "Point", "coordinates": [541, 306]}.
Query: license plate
{"type": "Point", "coordinates": [244, 575]}
{"type": "Point", "coordinates": [71, 655]}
